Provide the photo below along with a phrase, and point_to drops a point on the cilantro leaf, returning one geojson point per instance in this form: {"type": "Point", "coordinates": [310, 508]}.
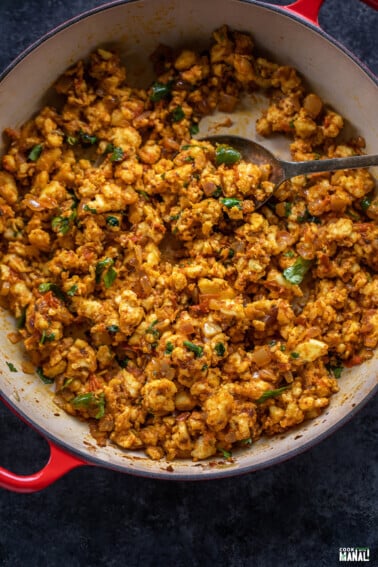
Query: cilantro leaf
{"type": "Point", "coordinates": [295, 273]}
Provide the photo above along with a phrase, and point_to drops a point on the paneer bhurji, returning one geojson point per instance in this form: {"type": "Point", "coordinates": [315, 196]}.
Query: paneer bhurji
{"type": "Point", "coordinates": [168, 312]}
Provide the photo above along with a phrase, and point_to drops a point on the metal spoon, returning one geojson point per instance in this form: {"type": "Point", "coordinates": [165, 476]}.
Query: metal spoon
{"type": "Point", "coordinates": [284, 170]}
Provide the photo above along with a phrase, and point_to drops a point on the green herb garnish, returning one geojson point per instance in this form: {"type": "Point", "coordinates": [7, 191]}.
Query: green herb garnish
{"type": "Point", "coordinates": [71, 140]}
{"type": "Point", "coordinates": [90, 401]}
{"type": "Point", "coordinates": [151, 329]}
{"type": "Point", "coordinates": [160, 91]}
{"type": "Point", "coordinates": [294, 354]}
{"type": "Point", "coordinates": [169, 348]}
{"type": "Point", "coordinates": [67, 382]}
{"type": "Point", "coordinates": [307, 217]}
{"type": "Point", "coordinates": [117, 153]}
{"type": "Point", "coordinates": [295, 273]}
{"type": "Point", "coordinates": [143, 194]}
{"type": "Point", "coordinates": [112, 328]}
{"type": "Point", "coordinates": [63, 224]}
{"type": "Point", "coordinates": [35, 152]}
{"type": "Point", "coordinates": [72, 291]}
{"type": "Point", "coordinates": [55, 289]}
{"type": "Point", "coordinates": [271, 394]}
{"type": "Point", "coordinates": [230, 202]}
{"type": "Point", "coordinates": [226, 454]}
{"type": "Point", "coordinates": [336, 370]}
{"type": "Point", "coordinates": [101, 266]}
{"type": "Point", "coordinates": [198, 350]}
{"type": "Point", "coordinates": [46, 337]}
{"type": "Point", "coordinates": [220, 349]}
{"type": "Point", "coordinates": [227, 155]}
{"type": "Point", "coordinates": [21, 320]}
{"type": "Point", "coordinates": [177, 114]}
{"type": "Point", "coordinates": [89, 209]}
{"type": "Point", "coordinates": [44, 378]}
{"type": "Point", "coordinates": [11, 367]}
{"type": "Point", "coordinates": [112, 221]}
{"type": "Point", "coordinates": [87, 139]}
{"type": "Point", "coordinates": [123, 362]}
{"type": "Point", "coordinates": [365, 202]}
{"type": "Point", "coordinates": [194, 129]}
{"type": "Point", "coordinates": [217, 193]}
{"type": "Point", "coordinates": [110, 277]}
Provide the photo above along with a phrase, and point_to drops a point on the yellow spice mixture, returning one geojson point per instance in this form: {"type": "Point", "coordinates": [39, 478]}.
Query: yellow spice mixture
{"type": "Point", "coordinates": [168, 312]}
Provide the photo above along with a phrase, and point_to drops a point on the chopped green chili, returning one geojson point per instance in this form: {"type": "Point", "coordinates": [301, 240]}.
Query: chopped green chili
{"type": "Point", "coordinates": [35, 152]}
{"type": "Point", "coordinates": [271, 394]}
{"type": "Point", "coordinates": [227, 155]}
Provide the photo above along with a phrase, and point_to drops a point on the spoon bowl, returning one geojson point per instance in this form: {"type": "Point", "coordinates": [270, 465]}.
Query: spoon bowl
{"type": "Point", "coordinates": [282, 170]}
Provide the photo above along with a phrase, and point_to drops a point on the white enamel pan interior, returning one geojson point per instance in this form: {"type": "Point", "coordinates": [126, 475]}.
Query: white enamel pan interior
{"type": "Point", "coordinates": [136, 28]}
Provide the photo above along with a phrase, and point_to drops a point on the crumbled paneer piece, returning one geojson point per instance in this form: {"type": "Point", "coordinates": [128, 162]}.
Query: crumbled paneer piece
{"type": "Point", "coordinates": [169, 312]}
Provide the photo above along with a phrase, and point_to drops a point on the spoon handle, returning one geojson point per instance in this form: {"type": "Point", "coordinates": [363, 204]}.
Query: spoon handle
{"type": "Point", "coordinates": [294, 168]}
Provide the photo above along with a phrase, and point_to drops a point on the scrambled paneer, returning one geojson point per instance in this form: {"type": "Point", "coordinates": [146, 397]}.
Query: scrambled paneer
{"type": "Point", "coordinates": [168, 311]}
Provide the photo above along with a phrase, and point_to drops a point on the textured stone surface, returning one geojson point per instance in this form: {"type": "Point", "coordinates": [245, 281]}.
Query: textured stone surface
{"type": "Point", "coordinates": [296, 514]}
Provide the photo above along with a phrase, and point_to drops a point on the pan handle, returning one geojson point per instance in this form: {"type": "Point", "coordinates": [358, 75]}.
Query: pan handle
{"type": "Point", "coordinates": [309, 9]}
{"type": "Point", "coordinates": [60, 462]}
{"type": "Point", "coordinates": [372, 3]}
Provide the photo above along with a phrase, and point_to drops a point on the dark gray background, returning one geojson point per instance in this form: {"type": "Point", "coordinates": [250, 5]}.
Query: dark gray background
{"type": "Point", "coordinates": [296, 514]}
